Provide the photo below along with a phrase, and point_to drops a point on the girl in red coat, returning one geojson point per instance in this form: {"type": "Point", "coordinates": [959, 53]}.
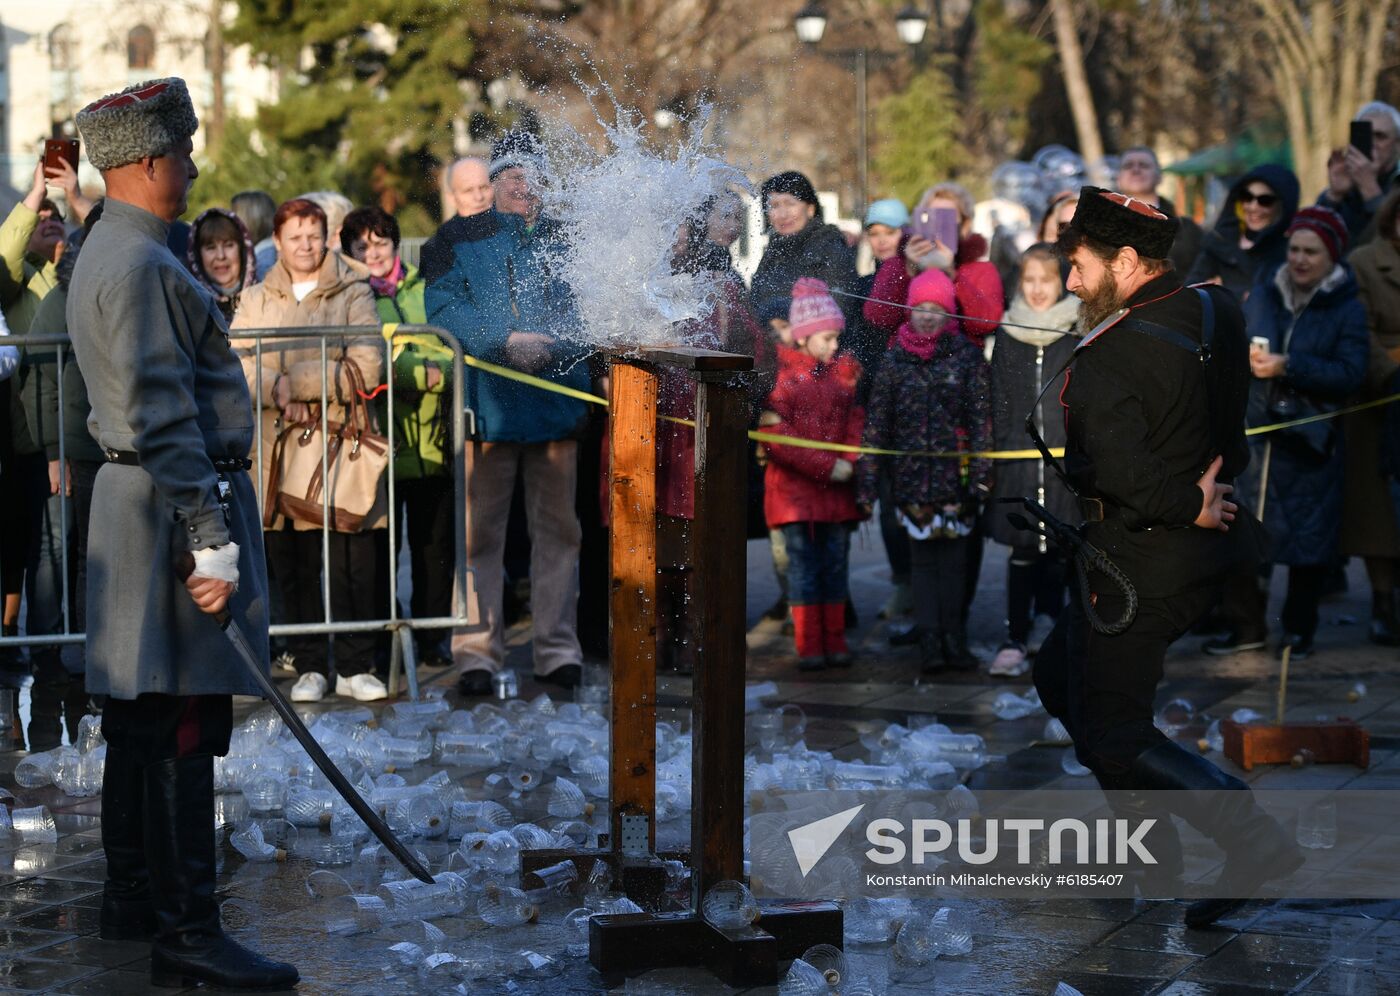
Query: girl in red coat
{"type": "Point", "coordinates": [809, 494]}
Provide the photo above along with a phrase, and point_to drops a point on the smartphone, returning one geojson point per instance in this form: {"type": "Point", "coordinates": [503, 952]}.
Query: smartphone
{"type": "Point", "coordinates": [1259, 342]}
{"type": "Point", "coordinates": [1363, 137]}
{"type": "Point", "coordinates": [937, 225]}
{"type": "Point", "coordinates": [60, 148]}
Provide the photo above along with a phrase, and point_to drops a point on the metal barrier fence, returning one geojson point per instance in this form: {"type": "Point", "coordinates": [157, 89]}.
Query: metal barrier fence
{"type": "Point", "coordinates": [403, 654]}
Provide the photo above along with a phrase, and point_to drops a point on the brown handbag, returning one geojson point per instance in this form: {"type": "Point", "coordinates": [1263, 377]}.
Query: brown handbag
{"type": "Point", "coordinates": [356, 458]}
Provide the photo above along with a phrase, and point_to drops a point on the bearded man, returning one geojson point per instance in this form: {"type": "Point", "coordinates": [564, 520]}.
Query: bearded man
{"type": "Point", "coordinates": [1154, 403]}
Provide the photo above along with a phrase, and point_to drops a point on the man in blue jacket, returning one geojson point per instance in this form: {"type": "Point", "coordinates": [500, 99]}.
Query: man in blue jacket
{"type": "Point", "coordinates": [487, 284]}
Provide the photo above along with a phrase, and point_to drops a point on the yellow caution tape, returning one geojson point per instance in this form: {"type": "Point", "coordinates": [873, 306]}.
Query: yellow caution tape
{"type": "Point", "coordinates": [814, 444]}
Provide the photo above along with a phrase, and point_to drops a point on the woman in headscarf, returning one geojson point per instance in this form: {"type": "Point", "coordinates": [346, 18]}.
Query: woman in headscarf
{"type": "Point", "coordinates": [220, 255]}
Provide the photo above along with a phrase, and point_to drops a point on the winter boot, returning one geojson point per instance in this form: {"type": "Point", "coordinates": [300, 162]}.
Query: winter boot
{"type": "Point", "coordinates": [46, 700]}
{"type": "Point", "coordinates": [933, 655]}
{"type": "Point", "coordinates": [190, 946]}
{"type": "Point", "coordinates": [807, 627]}
{"type": "Point", "coordinates": [1162, 880]}
{"type": "Point", "coordinates": [1257, 849]}
{"type": "Point", "coordinates": [838, 654]}
{"type": "Point", "coordinates": [127, 913]}
{"type": "Point", "coordinates": [956, 652]}
{"type": "Point", "coordinates": [1383, 621]}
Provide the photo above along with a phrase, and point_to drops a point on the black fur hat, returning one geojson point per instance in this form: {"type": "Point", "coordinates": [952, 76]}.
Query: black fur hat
{"type": "Point", "coordinates": [1119, 220]}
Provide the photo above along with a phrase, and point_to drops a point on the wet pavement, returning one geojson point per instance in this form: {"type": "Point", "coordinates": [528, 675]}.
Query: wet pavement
{"type": "Point", "coordinates": [49, 894]}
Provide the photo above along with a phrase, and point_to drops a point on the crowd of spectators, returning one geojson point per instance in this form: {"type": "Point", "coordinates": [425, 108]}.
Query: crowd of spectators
{"type": "Point", "coordinates": [932, 349]}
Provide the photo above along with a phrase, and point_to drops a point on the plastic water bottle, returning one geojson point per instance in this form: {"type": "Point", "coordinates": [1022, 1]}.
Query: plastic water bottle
{"type": "Point", "coordinates": [504, 684]}
{"type": "Point", "coordinates": [566, 800]}
{"type": "Point", "coordinates": [576, 932]}
{"type": "Point", "coordinates": [951, 931]}
{"type": "Point", "coordinates": [803, 979]}
{"type": "Point", "coordinates": [729, 905]}
{"type": "Point", "coordinates": [828, 960]}
{"type": "Point", "coordinates": [306, 807]}
{"type": "Point", "coordinates": [36, 770]}
{"type": "Point", "coordinates": [506, 907]}
{"type": "Point", "coordinates": [417, 816]}
{"type": "Point", "coordinates": [410, 899]}
{"type": "Point", "coordinates": [90, 734]}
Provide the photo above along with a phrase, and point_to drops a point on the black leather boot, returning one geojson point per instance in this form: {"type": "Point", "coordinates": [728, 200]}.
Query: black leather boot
{"type": "Point", "coordinates": [1257, 849]}
{"type": "Point", "coordinates": [957, 653]}
{"type": "Point", "coordinates": [1383, 619]}
{"type": "Point", "coordinates": [1162, 880]}
{"type": "Point", "coordinates": [190, 946]}
{"type": "Point", "coordinates": [127, 913]}
{"type": "Point", "coordinates": [932, 652]}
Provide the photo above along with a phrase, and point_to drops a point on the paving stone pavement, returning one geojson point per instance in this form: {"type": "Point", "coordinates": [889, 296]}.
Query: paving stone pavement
{"type": "Point", "coordinates": [49, 894]}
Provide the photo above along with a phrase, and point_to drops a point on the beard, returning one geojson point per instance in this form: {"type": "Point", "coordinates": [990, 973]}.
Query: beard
{"type": "Point", "coordinates": [1098, 303]}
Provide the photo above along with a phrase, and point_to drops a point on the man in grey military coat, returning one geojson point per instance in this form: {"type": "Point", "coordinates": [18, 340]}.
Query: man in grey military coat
{"type": "Point", "coordinates": [170, 408]}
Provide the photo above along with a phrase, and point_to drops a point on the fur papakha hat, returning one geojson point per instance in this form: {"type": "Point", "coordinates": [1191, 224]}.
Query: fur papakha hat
{"type": "Point", "coordinates": [148, 119]}
{"type": "Point", "coordinates": [1119, 220]}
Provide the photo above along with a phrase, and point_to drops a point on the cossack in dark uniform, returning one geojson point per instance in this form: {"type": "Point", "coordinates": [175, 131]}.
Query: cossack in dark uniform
{"type": "Point", "coordinates": [1150, 400]}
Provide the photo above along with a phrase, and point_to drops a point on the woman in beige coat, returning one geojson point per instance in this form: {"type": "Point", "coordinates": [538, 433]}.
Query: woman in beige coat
{"type": "Point", "coordinates": [310, 286]}
{"type": "Point", "coordinates": [1369, 528]}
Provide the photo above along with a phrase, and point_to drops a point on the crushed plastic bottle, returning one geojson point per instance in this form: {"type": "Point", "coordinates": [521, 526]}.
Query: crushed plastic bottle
{"type": "Point", "coordinates": [951, 931]}
{"type": "Point", "coordinates": [35, 825]}
{"type": "Point", "coordinates": [1009, 705]}
{"type": "Point", "coordinates": [1356, 692]}
{"type": "Point", "coordinates": [1213, 739]}
{"type": "Point", "coordinates": [251, 842]}
{"type": "Point", "coordinates": [1055, 732]}
{"type": "Point", "coordinates": [1069, 764]}
{"type": "Point", "coordinates": [504, 684]}
{"type": "Point", "coordinates": [89, 734]}
{"type": "Point", "coordinates": [729, 905]}
{"type": "Point", "coordinates": [1245, 716]}
{"type": "Point", "coordinates": [1174, 717]}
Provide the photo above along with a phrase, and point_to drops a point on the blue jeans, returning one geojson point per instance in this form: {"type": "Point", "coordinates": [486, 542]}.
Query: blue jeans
{"type": "Point", "coordinates": [817, 557]}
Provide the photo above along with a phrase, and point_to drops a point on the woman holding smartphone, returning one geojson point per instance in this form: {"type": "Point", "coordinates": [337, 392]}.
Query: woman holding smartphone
{"type": "Point", "coordinates": [944, 213]}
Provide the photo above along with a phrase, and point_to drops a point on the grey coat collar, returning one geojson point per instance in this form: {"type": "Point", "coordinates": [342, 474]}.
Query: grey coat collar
{"type": "Point", "coordinates": [134, 217]}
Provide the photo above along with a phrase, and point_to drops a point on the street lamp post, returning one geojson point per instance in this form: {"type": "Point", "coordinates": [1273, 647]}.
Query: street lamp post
{"type": "Point", "coordinates": [809, 24]}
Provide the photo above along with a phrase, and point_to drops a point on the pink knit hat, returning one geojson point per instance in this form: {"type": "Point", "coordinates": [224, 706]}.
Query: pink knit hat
{"type": "Point", "coordinates": [813, 309]}
{"type": "Point", "coordinates": [932, 287]}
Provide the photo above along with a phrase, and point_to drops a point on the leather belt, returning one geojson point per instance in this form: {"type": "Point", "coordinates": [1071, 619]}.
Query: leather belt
{"type": "Point", "coordinates": [224, 465]}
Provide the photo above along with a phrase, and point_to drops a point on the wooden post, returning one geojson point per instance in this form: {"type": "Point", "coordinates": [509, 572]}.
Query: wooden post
{"type": "Point", "coordinates": [720, 534]}
{"type": "Point", "coordinates": [632, 599]}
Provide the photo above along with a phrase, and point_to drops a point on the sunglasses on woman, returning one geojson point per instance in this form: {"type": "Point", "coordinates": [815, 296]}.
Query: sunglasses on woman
{"type": "Point", "coordinates": [1263, 200]}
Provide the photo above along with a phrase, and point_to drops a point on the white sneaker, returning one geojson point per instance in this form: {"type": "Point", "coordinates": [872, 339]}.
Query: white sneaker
{"type": "Point", "coordinates": [1040, 632]}
{"type": "Point", "coordinates": [310, 687]}
{"type": "Point", "coordinates": [361, 688]}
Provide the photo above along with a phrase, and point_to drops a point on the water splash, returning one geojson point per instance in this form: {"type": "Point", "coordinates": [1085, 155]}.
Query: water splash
{"type": "Point", "coordinates": [621, 209]}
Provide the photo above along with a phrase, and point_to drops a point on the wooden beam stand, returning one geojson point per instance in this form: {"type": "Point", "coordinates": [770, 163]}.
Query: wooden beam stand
{"type": "Point", "coordinates": [628, 944]}
{"type": "Point", "coordinates": [1329, 743]}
